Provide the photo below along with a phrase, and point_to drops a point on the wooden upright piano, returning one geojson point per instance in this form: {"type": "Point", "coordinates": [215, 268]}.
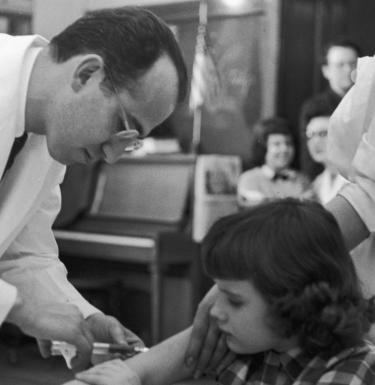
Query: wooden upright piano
{"type": "Point", "coordinates": [135, 211]}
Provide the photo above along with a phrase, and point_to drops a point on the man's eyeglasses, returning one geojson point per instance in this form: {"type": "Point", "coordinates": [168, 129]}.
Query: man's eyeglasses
{"type": "Point", "coordinates": [316, 134]}
{"type": "Point", "coordinates": [125, 122]}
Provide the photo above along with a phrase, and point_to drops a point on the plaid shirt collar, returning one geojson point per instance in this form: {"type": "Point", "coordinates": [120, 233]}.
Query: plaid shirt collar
{"type": "Point", "coordinates": [293, 365]}
{"type": "Point", "coordinates": [294, 361]}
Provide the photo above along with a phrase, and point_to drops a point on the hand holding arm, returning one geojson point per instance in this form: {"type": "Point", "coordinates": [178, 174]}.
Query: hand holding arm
{"type": "Point", "coordinates": [351, 225]}
{"type": "Point", "coordinates": [206, 348]}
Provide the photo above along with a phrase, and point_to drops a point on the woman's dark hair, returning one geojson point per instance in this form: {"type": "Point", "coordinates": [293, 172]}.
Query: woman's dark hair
{"type": "Point", "coordinates": [317, 107]}
{"type": "Point", "coordinates": [294, 254]}
{"type": "Point", "coordinates": [129, 39]}
{"type": "Point", "coordinates": [262, 130]}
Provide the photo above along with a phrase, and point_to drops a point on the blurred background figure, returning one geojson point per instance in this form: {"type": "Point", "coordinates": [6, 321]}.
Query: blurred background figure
{"type": "Point", "coordinates": [338, 63]}
{"type": "Point", "coordinates": [273, 152]}
{"type": "Point", "coordinates": [329, 181]}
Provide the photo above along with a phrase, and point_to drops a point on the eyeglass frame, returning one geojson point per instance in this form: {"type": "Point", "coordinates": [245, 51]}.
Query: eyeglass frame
{"type": "Point", "coordinates": [124, 115]}
{"type": "Point", "coordinates": [318, 134]}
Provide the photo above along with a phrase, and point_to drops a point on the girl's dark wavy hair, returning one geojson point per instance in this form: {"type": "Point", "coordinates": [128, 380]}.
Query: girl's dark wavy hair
{"type": "Point", "coordinates": [294, 254]}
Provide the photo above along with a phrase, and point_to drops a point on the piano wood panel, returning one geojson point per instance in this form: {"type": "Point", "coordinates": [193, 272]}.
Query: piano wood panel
{"type": "Point", "coordinates": [137, 215]}
{"type": "Point", "coordinates": [151, 189]}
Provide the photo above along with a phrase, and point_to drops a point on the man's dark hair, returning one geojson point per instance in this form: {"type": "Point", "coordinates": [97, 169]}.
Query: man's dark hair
{"type": "Point", "coordinates": [129, 39]}
{"type": "Point", "coordinates": [262, 130]}
{"type": "Point", "coordinates": [340, 42]}
{"type": "Point", "coordinates": [294, 254]}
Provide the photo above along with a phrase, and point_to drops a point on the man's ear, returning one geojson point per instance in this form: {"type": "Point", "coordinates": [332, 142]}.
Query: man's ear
{"type": "Point", "coordinates": [90, 66]}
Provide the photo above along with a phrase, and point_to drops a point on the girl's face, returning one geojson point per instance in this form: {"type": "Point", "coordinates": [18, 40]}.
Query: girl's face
{"type": "Point", "coordinates": [242, 315]}
{"type": "Point", "coordinates": [280, 151]}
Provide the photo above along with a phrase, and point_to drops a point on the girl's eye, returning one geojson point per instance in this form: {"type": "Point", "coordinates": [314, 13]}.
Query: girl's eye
{"type": "Point", "coordinates": [234, 303]}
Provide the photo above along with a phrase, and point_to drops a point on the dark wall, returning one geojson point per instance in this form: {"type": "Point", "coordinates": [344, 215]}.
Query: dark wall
{"type": "Point", "coordinates": [306, 26]}
{"type": "Point", "coordinates": [361, 24]}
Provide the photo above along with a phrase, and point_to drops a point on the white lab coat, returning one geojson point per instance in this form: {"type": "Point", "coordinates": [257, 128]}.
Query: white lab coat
{"type": "Point", "coordinates": [29, 193]}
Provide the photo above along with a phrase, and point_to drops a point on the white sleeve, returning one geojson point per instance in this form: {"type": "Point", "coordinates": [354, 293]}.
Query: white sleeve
{"type": "Point", "coordinates": [32, 265]}
{"type": "Point", "coordinates": [361, 192]}
{"type": "Point", "coordinates": [351, 142]}
{"type": "Point", "coordinates": [8, 296]}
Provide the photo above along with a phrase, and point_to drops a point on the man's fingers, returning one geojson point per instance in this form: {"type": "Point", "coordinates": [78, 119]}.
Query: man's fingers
{"type": "Point", "coordinates": [116, 331]}
{"type": "Point", "coordinates": [81, 361]}
{"type": "Point", "coordinates": [132, 339]}
{"type": "Point", "coordinates": [109, 329]}
{"type": "Point", "coordinates": [83, 344]}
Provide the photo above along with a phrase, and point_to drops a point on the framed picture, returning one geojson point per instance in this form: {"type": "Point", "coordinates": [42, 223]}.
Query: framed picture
{"type": "Point", "coordinates": [4, 24]}
{"type": "Point", "coordinates": [215, 186]}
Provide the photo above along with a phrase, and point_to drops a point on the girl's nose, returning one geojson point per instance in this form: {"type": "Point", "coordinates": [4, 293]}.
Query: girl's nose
{"type": "Point", "coordinates": [218, 313]}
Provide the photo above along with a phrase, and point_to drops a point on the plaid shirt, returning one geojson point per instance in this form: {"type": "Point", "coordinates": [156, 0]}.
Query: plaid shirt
{"type": "Point", "coordinates": [354, 366]}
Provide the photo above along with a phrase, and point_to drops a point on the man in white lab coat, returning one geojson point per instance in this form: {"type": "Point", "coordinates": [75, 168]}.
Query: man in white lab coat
{"type": "Point", "coordinates": [98, 87]}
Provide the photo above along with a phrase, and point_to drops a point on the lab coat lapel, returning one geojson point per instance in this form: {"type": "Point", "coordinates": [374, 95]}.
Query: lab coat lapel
{"type": "Point", "coordinates": [22, 186]}
{"type": "Point", "coordinates": [16, 52]}
{"type": "Point", "coordinates": [6, 142]}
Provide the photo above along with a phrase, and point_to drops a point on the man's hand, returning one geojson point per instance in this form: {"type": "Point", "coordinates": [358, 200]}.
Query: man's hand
{"type": "Point", "coordinates": [105, 328]}
{"type": "Point", "coordinates": [207, 350]}
{"type": "Point", "coordinates": [108, 329]}
{"type": "Point", "coordinates": [64, 322]}
{"type": "Point", "coordinates": [55, 321]}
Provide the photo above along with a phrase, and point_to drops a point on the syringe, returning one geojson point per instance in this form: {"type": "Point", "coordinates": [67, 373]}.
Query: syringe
{"type": "Point", "coordinates": [68, 351]}
{"type": "Point", "coordinates": [125, 350]}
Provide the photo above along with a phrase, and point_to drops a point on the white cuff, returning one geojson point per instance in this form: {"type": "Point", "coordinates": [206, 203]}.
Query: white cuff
{"type": "Point", "coordinates": [361, 193]}
{"type": "Point", "coordinates": [362, 203]}
{"type": "Point", "coordinates": [8, 296]}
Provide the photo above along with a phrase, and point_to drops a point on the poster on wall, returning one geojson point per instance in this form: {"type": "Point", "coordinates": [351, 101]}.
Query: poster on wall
{"type": "Point", "coordinates": [236, 48]}
{"type": "Point", "coordinates": [215, 187]}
